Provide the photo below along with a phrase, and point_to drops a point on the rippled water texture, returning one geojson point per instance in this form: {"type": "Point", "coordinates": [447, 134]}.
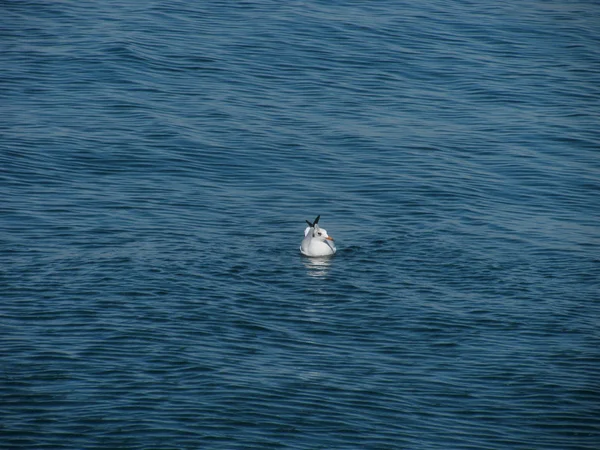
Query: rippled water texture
{"type": "Point", "coordinates": [158, 161]}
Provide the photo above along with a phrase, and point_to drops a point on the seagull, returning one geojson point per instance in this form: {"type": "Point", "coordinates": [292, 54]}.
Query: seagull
{"type": "Point", "coordinates": [316, 241]}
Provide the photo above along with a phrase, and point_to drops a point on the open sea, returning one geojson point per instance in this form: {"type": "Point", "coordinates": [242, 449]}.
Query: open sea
{"type": "Point", "coordinates": [158, 161]}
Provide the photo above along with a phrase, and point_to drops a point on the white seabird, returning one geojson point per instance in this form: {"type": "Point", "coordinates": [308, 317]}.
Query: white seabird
{"type": "Point", "coordinates": [316, 241]}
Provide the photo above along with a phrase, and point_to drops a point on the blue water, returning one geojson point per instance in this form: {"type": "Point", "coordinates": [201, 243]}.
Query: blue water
{"type": "Point", "coordinates": [158, 161]}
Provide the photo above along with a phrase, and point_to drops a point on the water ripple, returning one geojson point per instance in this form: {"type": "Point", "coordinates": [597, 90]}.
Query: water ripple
{"type": "Point", "coordinates": [158, 162]}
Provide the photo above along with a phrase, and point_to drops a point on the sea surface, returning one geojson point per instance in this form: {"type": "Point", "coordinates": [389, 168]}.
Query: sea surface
{"type": "Point", "coordinates": [159, 159]}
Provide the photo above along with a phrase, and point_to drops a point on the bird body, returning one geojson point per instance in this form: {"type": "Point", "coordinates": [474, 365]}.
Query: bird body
{"type": "Point", "coordinates": [316, 241]}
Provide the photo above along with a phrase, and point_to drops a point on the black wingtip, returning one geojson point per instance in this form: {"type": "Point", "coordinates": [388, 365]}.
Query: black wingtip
{"type": "Point", "coordinates": [315, 222]}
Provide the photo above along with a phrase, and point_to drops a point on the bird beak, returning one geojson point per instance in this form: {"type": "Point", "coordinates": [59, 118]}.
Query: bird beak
{"type": "Point", "coordinates": [330, 238]}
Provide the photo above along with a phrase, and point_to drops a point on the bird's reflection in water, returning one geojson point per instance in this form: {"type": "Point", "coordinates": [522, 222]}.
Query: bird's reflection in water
{"type": "Point", "coordinates": [318, 267]}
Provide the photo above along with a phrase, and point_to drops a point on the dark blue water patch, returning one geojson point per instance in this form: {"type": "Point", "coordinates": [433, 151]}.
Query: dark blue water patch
{"type": "Point", "coordinates": [158, 163]}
